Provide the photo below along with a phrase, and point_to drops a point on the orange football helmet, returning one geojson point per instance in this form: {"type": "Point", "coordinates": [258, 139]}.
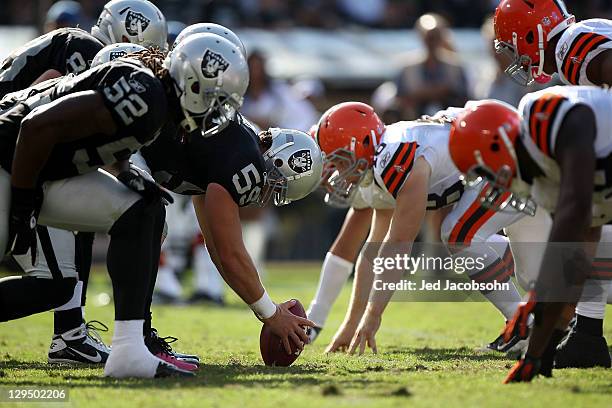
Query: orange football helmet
{"type": "Point", "coordinates": [523, 29]}
{"type": "Point", "coordinates": [348, 134]}
{"type": "Point", "coordinates": [482, 145]}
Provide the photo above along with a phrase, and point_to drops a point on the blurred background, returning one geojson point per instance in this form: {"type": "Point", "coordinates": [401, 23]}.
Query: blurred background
{"type": "Point", "coordinates": [405, 57]}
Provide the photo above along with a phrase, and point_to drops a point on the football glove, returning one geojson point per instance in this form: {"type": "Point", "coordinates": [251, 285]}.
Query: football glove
{"type": "Point", "coordinates": [519, 325]}
{"type": "Point", "coordinates": [524, 370]}
{"type": "Point", "coordinates": [22, 223]}
{"type": "Point", "coordinates": [142, 183]}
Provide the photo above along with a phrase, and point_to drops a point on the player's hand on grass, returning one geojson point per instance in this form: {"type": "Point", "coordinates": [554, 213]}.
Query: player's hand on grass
{"type": "Point", "coordinates": [342, 338]}
{"type": "Point", "coordinates": [287, 326]}
{"type": "Point", "coordinates": [366, 333]}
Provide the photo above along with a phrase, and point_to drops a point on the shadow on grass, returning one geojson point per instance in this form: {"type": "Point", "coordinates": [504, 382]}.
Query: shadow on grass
{"type": "Point", "coordinates": [447, 354]}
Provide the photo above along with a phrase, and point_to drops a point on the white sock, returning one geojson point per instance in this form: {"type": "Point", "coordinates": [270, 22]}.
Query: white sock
{"type": "Point", "coordinates": [129, 356]}
{"type": "Point", "coordinates": [593, 300]}
{"type": "Point", "coordinates": [207, 277]}
{"type": "Point", "coordinates": [506, 301]}
{"type": "Point", "coordinates": [334, 273]}
{"type": "Point", "coordinates": [75, 301]}
{"type": "Point", "coordinates": [167, 282]}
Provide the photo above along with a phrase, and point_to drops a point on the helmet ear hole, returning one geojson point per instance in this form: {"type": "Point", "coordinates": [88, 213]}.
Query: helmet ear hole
{"type": "Point", "coordinates": [278, 162]}
{"type": "Point", "coordinates": [366, 141]}
{"type": "Point", "coordinates": [195, 87]}
{"type": "Point", "coordinates": [530, 37]}
{"type": "Point", "coordinates": [495, 147]}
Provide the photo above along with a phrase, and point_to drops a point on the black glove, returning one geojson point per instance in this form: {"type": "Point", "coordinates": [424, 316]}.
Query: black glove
{"type": "Point", "coordinates": [144, 186]}
{"type": "Point", "coordinates": [22, 222]}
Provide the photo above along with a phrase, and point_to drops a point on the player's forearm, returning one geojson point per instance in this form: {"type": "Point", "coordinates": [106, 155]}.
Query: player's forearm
{"type": "Point", "coordinates": [362, 285]}
{"type": "Point", "coordinates": [240, 274]}
{"type": "Point", "coordinates": [33, 148]}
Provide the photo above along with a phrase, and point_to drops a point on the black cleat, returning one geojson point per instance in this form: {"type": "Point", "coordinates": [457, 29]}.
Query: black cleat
{"type": "Point", "coordinates": [165, 370]}
{"type": "Point", "coordinates": [203, 297]}
{"type": "Point", "coordinates": [160, 346]}
{"type": "Point", "coordinates": [514, 347]}
{"type": "Point", "coordinates": [81, 345]}
{"type": "Point", "coordinates": [580, 350]}
{"type": "Point", "coordinates": [313, 333]}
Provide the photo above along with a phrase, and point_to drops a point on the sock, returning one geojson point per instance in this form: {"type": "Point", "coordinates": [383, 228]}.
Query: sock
{"type": "Point", "coordinates": [589, 325]}
{"type": "Point", "coordinates": [548, 357]}
{"type": "Point", "coordinates": [64, 320]}
{"type": "Point", "coordinates": [83, 255]}
{"type": "Point", "coordinates": [334, 274]}
{"type": "Point", "coordinates": [129, 356]}
{"type": "Point", "coordinates": [158, 229]}
{"type": "Point", "coordinates": [207, 277]}
{"type": "Point", "coordinates": [130, 258]}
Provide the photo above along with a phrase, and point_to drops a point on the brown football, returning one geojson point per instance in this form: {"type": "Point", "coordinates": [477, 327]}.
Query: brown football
{"type": "Point", "coordinates": [272, 350]}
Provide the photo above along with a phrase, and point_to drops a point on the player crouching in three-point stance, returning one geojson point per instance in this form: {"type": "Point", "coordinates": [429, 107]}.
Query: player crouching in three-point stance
{"type": "Point", "coordinates": [409, 173]}
{"type": "Point", "coordinates": [559, 143]}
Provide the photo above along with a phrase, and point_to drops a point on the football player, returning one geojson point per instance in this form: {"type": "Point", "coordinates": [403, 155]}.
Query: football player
{"type": "Point", "coordinates": [555, 150]}
{"type": "Point", "coordinates": [92, 120]}
{"type": "Point", "coordinates": [412, 169]}
{"type": "Point", "coordinates": [542, 39]}
{"type": "Point", "coordinates": [71, 51]}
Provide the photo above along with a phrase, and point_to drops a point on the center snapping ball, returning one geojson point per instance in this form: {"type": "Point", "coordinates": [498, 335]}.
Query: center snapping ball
{"type": "Point", "coordinates": [272, 350]}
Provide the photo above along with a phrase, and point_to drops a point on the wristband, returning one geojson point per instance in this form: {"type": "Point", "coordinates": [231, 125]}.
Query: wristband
{"type": "Point", "coordinates": [264, 308]}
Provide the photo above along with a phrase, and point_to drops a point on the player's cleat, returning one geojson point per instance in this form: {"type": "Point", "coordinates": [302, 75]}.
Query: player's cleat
{"type": "Point", "coordinates": [581, 350]}
{"type": "Point", "coordinates": [519, 325]}
{"type": "Point", "coordinates": [81, 345]}
{"type": "Point", "coordinates": [165, 370]}
{"type": "Point", "coordinates": [160, 347]}
{"type": "Point", "coordinates": [513, 348]}
{"type": "Point", "coordinates": [524, 370]}
{"type": "Point", "coordinates": [313, 333]}
{"type": "Point", "coordinates": [203, 297]}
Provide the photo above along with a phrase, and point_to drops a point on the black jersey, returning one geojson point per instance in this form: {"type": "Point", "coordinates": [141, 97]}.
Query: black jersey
{"type": "Point", "coordinates": [133, 95]}
{"type": "Point", "coordinates": [67, 50]}
{"type": "Point", "coordinates": [231, 158]}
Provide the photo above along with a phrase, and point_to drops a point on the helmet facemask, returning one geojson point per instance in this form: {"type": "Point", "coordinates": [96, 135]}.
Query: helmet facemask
{"type": "Point", "coordinates": [501, 191]}
{"type": "Point", "coordinates": [276, 187]}
{"type": "Point", "coordinates": [342, 176]}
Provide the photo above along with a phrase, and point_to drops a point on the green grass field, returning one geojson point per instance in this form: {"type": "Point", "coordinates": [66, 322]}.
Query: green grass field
{"type": "Point", "coordinates": [429, 356]}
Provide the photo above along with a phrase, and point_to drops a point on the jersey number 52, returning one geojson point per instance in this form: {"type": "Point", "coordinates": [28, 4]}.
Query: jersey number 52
{"type": "Point", "coordinates": [127, 105]}
{"type": "Point", "coordinates": [244, 181]}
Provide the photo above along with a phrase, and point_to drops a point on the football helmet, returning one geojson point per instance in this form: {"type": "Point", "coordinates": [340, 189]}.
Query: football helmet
{"type": "Point", "coordinates": [211, 28]}
{"type": "Point", "coordinates": [294, 164]}
{"type": "Point", "coordinates": [110, 52]}
{"type": "Point", "coordinates": [134, 21]}
{"type": "Point", "coordinates": [482, 145]}
{"type": "Point", "coordinates": [211, 77]}
{"type": "Point", "coordinates": [522, 32]}
{"type": "Point", "coordinates": [348, 134]}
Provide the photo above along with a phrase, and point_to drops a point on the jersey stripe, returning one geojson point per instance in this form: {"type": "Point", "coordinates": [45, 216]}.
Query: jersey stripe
{"type": "Point", "coordinates": [596, 41]}
{"type": "Point", "coordinates": [541, 120]}
{"type": "Point", "coordinates": [484, 218]}
{"type": "Point", "coordinates": [388, 171]}
{"type": "Point", "coordinates": [402, 169]}
{"type": "Point", "coordinates": [464, 219]}
{"type": "Point", "coordinates": [578, 42]}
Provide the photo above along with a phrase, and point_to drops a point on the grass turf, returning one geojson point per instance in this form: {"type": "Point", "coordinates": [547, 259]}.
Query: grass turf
{"type": "Point", "coordinates": [428, 356]}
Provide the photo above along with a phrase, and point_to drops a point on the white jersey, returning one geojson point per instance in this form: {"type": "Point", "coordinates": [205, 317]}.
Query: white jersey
{"type": "Point", "coordinates": [577, 47]}
{"type": "Point", "coordinates": [404, 142]}
{"type": "Point", "coordinates": [543, 113]}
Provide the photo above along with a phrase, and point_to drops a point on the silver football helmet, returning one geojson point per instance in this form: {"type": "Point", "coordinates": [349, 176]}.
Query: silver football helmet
{"type": "Point", "coordinates": [134, 21]}
{"type": "Point", "coordinates": [212, 28]}
{"type": "Point", "coordinates": [294, 165]}
{"type": "Point", "coordinates": [211, 77]}
{"type": "Point", "coordinates": [113, 51]}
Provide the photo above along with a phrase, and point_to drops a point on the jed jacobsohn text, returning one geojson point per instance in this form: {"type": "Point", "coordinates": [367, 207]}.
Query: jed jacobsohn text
{"type": "Point", "coordinates": [411, 264]}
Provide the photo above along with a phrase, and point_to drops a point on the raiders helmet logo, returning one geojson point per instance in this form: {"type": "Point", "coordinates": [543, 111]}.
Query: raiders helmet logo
{"type": "Point", "coordinates": [116, 54]}
{"type": "Point", "coordinates": [133, 19]}
{"type": "Point", "coordinates": [213, 64]}
{"type": "Point", "coordinates": [300, 161]}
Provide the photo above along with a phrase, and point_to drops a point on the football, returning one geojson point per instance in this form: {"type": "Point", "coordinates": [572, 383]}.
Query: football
{"type": "Point", "coordinates": [272, 350]}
